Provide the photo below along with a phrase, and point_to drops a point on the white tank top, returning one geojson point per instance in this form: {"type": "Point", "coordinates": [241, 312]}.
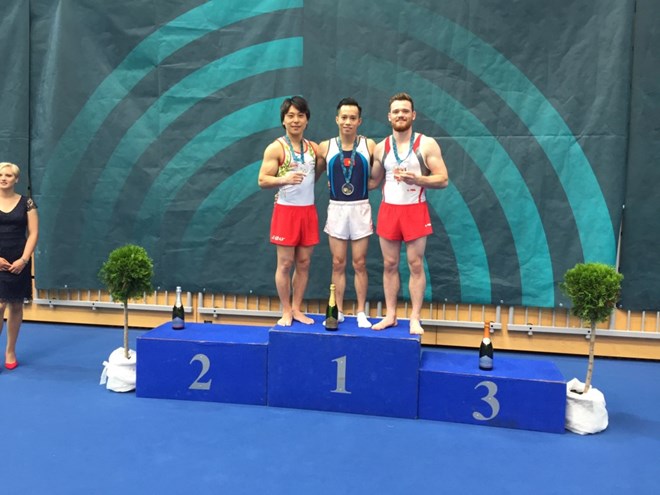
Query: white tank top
{"type": "Point", "coordinates": [297, 194]}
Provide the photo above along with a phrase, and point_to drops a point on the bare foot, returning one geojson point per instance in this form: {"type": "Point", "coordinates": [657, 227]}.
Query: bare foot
{"type": "Point", "coordinates": [302, 317]}
{"type": "Point", "coordinates": [416, 327]}
{"type": "Point", "coordinates": [286, 320]}
{"type": "Point", "coordinates": [388, 321]}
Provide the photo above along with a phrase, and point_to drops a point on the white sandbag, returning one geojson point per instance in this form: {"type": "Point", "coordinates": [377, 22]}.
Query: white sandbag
{"type": "Point", "coordinates": [585, 413]}
{"type": "Point", "coordinates": [118, 372]}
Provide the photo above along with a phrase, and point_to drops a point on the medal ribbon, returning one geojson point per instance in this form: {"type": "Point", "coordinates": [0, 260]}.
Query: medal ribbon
{"type": "Point", "coordinates": [295, 158]}
{"type": "Point", "coordinates": [348, 174]}
{"type": "Point", "coordinates": [396, 152]}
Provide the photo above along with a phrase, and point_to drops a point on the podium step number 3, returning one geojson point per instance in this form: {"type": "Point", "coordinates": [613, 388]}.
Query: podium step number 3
{"type": "Point", "coordinates": [516, 393]}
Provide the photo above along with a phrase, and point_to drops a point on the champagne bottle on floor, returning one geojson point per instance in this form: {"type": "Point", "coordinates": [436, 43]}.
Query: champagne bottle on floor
{"type": "Point", "coordinates": [486, 350]}
{"type": "Point", "coordinates": [178, 316]}
{"type": "Point", "coordinates": [332, 312]}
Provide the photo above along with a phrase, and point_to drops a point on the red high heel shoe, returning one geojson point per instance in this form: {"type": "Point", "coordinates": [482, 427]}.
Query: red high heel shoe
{"type": "Point", "coordinates": [11, 366]}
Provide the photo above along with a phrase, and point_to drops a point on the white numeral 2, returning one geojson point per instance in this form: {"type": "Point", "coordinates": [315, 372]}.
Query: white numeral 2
{"type": "Point", "coordinates": [488, 399]}
{"type": "Point", "coordinates": [341, 375]}
{"type": "Point", "coordinates": [206, 364]}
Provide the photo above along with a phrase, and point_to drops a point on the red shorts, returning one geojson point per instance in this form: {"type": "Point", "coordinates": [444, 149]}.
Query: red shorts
{"type": "Point", "coordinates": [403, 222]}
{"type": "Point", "coordinates": [294, 225]}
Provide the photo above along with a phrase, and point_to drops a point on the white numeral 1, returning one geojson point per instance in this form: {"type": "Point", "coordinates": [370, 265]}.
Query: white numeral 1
{"type": "Point", "coordinates": [206, 364]}
{"type": "Point", "coordinates": [341, 375]}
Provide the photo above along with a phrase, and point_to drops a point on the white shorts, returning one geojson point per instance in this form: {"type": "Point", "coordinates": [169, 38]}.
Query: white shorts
{"type": "Point", "coordinates": [349, 220]}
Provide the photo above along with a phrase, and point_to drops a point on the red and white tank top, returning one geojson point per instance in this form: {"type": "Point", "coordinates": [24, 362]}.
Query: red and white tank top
{"type": "Point", "coordinates": [400, 193]}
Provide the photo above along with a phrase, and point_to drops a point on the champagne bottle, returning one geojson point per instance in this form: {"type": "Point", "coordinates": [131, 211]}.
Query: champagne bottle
{"type": "Point", "coordinates": [178, 316]}
{"type": "Point", "coordinates": [486, 350]}
{"type": "Point", "coordinates": [331, 312]}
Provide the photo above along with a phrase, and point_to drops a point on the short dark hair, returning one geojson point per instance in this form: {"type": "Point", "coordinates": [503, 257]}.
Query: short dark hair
{"type": "Point", "coordinates": [350, 102]}
{"type": "Point", "coordinates": [298, 102]}
{"type": "Point", "coordinates": [402, 97]}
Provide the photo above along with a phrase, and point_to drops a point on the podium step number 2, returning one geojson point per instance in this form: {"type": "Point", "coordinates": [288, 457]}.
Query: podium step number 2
{"type": "Point", "coordinates": [204, 362]}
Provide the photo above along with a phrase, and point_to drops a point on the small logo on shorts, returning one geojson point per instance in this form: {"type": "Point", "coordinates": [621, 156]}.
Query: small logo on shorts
{"type": "Point", "coordinates": [427, 225]}
{"type": "Point", "coordinates": [277, 238]}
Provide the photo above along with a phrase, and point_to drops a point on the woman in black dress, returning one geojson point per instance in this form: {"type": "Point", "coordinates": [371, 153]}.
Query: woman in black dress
{"type": "Point", "coordinates": [19, 230]}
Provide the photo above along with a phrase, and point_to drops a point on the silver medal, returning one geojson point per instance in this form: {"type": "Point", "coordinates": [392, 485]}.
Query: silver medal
{"type": "Point", "coordinates": [347, 189]}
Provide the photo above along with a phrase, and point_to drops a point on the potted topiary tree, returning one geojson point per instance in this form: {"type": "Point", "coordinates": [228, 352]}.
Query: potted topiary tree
{"type": "Point", "coordinates": [127, 274]}
{"type": "Point", "coordinates": [593, 289]}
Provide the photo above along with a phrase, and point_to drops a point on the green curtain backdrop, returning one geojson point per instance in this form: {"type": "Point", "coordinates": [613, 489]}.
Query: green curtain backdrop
{"type": "Point", "coordinates": [148, 122]}
{"type": "Point", "coordinates": [640, 246]}
{"type": "Point", "coordinates": [15, 86]}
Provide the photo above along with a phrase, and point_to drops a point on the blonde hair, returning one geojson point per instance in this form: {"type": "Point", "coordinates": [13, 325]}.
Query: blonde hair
{"type": "Point", "coordinates": [14, 168]}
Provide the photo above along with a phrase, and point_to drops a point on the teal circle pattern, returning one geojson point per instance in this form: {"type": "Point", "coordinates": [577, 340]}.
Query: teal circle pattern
{"type": "Point", "coordinates": [144, 58]}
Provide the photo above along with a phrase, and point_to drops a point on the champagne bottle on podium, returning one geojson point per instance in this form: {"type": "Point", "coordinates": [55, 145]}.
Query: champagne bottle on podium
{"type": "Point", "coordinates": [331, 312]}
{"type": "Point", "coordinates": [486, 350]}
{"type": "Point", "coordinates": [178, 316]}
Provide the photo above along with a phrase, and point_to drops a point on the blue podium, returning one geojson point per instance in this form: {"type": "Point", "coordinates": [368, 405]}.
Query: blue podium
{"type": "Point", "coordinates": [205, 362]}
{"type": "Point", "coordinates": [354, 370]}
{"type": "Point", "coordinates": [516, 393]}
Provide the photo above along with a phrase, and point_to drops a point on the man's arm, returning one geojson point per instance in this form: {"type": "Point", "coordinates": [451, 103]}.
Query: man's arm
{"type": "Point", "coordinates": [377, 169]}
{"type": "Point", "coordinates": [438, 178]}
{"type": "Point", "coordinates": [371, 146]}
{"type": "Point", "coordinates": [269, 166]}
{"type": "Point", "coordinates": [321, 151]}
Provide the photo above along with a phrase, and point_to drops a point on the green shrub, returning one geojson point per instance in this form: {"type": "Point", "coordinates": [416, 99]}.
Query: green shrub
{"type": "Point", "coordinates": [593, 289]}
{"type": "Point", "coordinates": [127, 275]}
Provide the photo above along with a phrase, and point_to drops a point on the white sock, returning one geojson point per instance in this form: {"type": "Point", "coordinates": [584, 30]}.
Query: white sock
{"type": "Point", "coordinates": [362, 320]}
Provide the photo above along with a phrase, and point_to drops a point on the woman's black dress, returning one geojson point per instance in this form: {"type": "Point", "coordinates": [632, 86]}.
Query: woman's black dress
{"type": "Point", "coordinates": [13, 229]}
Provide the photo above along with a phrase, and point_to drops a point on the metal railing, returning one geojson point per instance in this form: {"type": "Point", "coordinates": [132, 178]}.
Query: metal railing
{"type": "Point", "coordinates": [545, 320]}
{"type": "Point", "coordinates": [86, 299]}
